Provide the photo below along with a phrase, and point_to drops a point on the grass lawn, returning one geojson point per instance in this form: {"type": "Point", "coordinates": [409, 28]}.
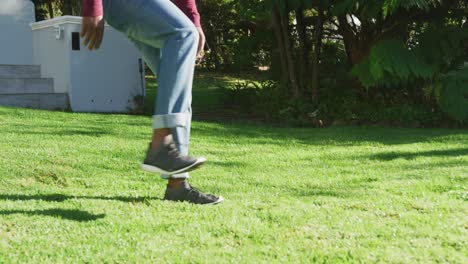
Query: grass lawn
{"type": "Point", "coordinates": [71, 191]}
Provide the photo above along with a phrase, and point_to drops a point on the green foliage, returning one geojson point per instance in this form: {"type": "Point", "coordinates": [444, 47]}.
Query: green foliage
{"type": "Point", "coordinates": [249, 52]}
{"type": "Point", "coordinates": [285, 6]}
{"type": "Point", "coordinates": [442, 46]}
{"type": "Point", "coordinates": [59, 8]}
{"type": "Point", "coordinates": [373, 8]}
{"type": "Point", "coordinates": [390, 63]}
{"type": "Point", "coordinates": [266, 99]}
{"type": "Point", "coordinates": [241, 94]}
{"type": "Point", "coordinates": [403, 115]}
{"type": "Point", "coordinates": [337, 100]}
{"type": "Point", "coordinates": [406, 45]}
{"type": "Point", "coordinates": [434, 52]}
{"type": "Point", "coordinates": [453, 94]}
{"type": "Point", "coordinates": [262, 98]}
{"type": "Point", "coordinates": [237, 34]}
{"type": "Point", "coordinates": [339, 104]}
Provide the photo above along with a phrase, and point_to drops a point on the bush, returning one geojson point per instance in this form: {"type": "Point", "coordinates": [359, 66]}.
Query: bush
{"type": "Point", "coordinates": [452, 94]}
{"type": "Point", "coordinates": [339, 105]}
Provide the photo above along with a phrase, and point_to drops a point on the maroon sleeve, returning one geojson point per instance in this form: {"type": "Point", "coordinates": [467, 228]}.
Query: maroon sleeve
{"type": "Point", "coordinates": [92, 8]}
{"type": "Point", "coordinates": [189, 7]}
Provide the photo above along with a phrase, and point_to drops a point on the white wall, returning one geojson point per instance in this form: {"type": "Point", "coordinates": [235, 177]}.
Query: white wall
{"type": "Point", "coordinates": [16, 35]}
{"type": "Point", "coordinates": [53, 56]}
{"type": "Point", "coordinates": [105, 80]}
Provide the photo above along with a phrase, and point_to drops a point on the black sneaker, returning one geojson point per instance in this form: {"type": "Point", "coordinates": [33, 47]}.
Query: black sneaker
{"type": "Point", "coordinates": [166, 159]}
{"type": "Point", "coordinates": [186, 193]}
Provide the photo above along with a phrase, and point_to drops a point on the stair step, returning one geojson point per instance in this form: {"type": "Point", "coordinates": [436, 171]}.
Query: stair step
{"type": "Point", "coordinates": [20, 71]}
{"type": "Point", "coordinates": [51, 101]}
{"type": "Point", "coordinates": [26, 85]}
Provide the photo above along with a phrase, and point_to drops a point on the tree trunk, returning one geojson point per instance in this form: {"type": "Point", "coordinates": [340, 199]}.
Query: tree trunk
{"type": "Point", "coordinates": [357, 46]}
{"type": "Point", "coordinates": [316, 56]}
{"type": "Point", "coordinates": [214, 54]}
{"type": "Point", "coordinates": [41, 13]}
{"type": "Point", "coordinates": [277, 27]}
{"type": "Point", "coordinates": [303, 79]}
{"type": "Point", "coordinates": [67, 7]}
{"type": "Point", "coordinates": [50, 7]}
{"type": "Point", "coordinates": [289, 55]}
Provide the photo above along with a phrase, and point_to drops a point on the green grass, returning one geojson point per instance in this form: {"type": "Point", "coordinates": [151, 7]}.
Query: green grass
{"type": "Point", "coordinates": [71, 191]}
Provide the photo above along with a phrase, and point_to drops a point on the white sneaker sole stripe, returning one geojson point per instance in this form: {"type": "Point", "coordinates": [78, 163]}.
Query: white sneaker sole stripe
{"type": "Point", "coordinates": [154, 169]}
{"type": "Point", "coordinates": [220, 200]}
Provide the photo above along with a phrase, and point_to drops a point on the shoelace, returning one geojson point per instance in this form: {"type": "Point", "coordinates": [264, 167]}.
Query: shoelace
{"type": "Point", "coordinates": [196, 192]}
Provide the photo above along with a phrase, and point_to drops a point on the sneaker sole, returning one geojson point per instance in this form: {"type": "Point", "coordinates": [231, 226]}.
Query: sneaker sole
{"type": "Point", "coordinates": [154, 169]}
{"type": "Point", "coordinates": [220, 200]}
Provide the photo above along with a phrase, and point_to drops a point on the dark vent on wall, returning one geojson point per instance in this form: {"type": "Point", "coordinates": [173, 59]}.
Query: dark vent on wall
{"type": "Point", "coordinates": [75, 41]}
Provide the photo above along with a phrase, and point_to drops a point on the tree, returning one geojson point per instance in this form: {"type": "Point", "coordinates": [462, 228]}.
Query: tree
{"type": "Point", "coordinates": [363, 23]}
{"type": "Point", "coordinates": [411, 49]}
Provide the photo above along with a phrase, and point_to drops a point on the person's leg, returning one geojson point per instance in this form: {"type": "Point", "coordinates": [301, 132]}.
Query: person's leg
{"type": "Point", "coordinates": [160, 24]}
{"type": "Point", "coordinates": [178, 189]}
{"type": "Point", "coordinates": [181, 135]}
{"type": "Point", "coordinates": [155, 24]}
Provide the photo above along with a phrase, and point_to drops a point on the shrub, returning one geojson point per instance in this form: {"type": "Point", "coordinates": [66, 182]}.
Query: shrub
{"type": "Point", "coordinates": [452, 94]}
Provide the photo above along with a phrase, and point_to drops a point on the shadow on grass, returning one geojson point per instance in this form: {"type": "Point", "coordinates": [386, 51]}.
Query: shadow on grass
{"type": "Point", "coordinates": [317, 192]}
{"type": "Point", "coordinates": [228, 164]}
{"type": "Point", "coordinates": [62, 197]}
{"type": "Point", "coordinates": [333, 136]}
{"type": "Point", "coordinates": [92, 131]}
{"type": "Point", "coordinates": [68, 214]}
{"type": "Point", "coordinates": [412, 155]}
{"type": "Point", "coordinates": [342, 189]}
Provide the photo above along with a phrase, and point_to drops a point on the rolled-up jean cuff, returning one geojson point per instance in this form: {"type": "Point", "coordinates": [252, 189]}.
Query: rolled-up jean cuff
{"type": "Point", "coordinates": [175, 176]}
{"type": "Point", "coordinates": [171, 120]}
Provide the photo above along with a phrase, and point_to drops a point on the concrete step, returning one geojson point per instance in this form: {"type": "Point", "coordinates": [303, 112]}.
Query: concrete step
{"type": "Point", "coordinates": [26, 85]}
{"type": "Point", "coordinates": [51, 101]}
{"type": "Point", "coordinates": [20, 71]}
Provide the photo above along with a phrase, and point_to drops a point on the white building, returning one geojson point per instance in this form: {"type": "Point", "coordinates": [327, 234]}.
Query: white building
{"type": "Point", "coordinates": [44, 65]}
{"type": "Point", "coordinates": [16, 37]}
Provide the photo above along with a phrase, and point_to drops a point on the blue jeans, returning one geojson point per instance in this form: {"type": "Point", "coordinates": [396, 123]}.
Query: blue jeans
{"type": "Point", "coordinates": [168, 41]}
